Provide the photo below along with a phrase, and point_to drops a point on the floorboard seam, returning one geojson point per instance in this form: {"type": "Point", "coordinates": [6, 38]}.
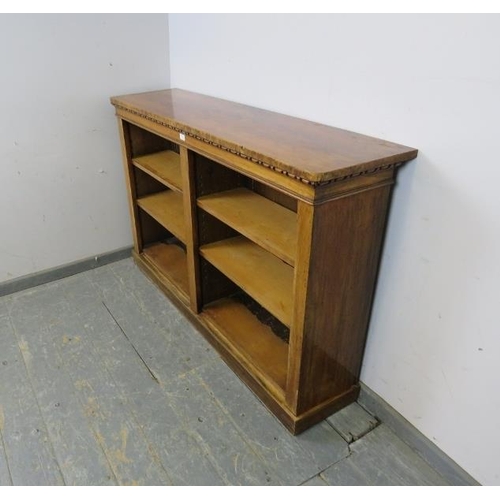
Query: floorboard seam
{"type": "Point", "coordinates": [309, 479]}
{"type": "Point", "coordinates": [320, 474]}
{"type": "Point", "coordinates": [355, 438]}
{"type": "Point", "coordinates": [4, 448]}
{"type": "Point", "coordinates": [35, 395]}
{"type": "Point", "coordinates": [152, 318]}
{"type": "Point", "coordinates": [4, 451]}
{"type": "Point", "coordinates": [153, 376]}
{"type": "Point", "coordinates": [331, 465]}
{"type": "Point", "coordinates": [96, 435]}
{"type": "Point", "coordinates": [206, 450]}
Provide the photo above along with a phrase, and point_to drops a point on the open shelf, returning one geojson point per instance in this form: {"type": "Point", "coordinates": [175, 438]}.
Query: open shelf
{"type": "Point", "coordinates": [170, 260]}
{"type": "Point", "coordinates": [261, 220]}
{"type": "Point", "coordinates": [254, 342]}
{"type": "Point", "coordinates": [166, 208]}
{"type": "Point", "coordinates": [164, 166]}
{"type": "Point", "coordinates": [266, 278]}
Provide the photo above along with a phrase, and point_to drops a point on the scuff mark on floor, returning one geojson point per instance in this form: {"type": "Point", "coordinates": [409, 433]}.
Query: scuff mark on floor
{"type": "Point", "coordinates": [2, 419]}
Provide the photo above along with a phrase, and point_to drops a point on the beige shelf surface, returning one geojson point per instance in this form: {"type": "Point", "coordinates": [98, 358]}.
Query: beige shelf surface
{"type": "Point", "coordinates": [166, 208]}
{"type": "Point", "coordinates": [171, 262]}
{"type": "Point", "coordinates": [164, 166]}
{"type": "Point", "coordinates": [250, 340]}
{"type": "Point", "coordinates": [265, 277]}
{"type": "Point", "coordinates": [261, 220]}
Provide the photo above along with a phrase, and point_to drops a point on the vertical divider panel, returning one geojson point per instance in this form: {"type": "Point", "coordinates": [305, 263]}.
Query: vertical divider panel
{"type": "Point", "coordinates": [305, 213]}
{"type": "Point", "coordinates": [126, 148]}
{"type": "Point", "coordinates": [191, 222]}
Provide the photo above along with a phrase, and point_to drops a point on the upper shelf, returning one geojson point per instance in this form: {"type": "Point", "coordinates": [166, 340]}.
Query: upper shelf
{"type": "Point", "coordinates": [261, 220]}
{"type": "Point", "coordinates": [164, 166]}
{"type": "Point", "coordinates": [311, 152]}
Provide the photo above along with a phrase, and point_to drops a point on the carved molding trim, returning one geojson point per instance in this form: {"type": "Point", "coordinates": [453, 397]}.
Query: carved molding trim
{"type": "Point", "coordinates": [369, 171]}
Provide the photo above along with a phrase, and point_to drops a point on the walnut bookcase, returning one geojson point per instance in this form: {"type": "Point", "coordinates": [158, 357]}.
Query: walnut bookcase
{"type": "Point", "coordinates": [266, 230]}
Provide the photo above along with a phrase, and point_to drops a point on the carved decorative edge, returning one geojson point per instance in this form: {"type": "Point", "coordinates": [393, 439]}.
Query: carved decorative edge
{"type": "Point", "coordinates": [340, 178]}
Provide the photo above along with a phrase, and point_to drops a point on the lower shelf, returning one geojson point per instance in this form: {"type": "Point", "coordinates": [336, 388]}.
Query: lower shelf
{"type": "Point", "coordinates": [256, 271]}
{"type": "Point", "coordinates": [264, 354]}
{"type": "Point", "coordinates": [171, 263]}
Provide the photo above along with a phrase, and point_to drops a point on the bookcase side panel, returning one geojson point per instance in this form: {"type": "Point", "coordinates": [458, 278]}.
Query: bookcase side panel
{"type": "Point", "coordinates": [347, 236]}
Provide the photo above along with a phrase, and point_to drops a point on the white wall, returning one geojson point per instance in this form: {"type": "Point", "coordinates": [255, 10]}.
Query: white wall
{"type": "Point", "coordinates": [62, 189]}
{"type": "Point", "coordinates": [431, 82]}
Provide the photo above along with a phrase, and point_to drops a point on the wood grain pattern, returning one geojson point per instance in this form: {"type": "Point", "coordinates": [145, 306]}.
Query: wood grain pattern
{"type": "Point", "coordinates": [186, 168]}
{"type": "Point", "coordinates": [166, 208]}
{"type": "Point", "coordinates": [274, 195]}
{"type": "Point", "coordinates": [126, 147]}
{"type": "Point", "coordinates": [305, 213]}
{"type": "Point", "coordinates": [284, 183]}
{"type": "Point", "coordinates": [163, 166]}
{"type": "Point", "coordinates": [266, 223]}
{"type": "Point", "coordinates": [311, 151]}
{"type": "Point", "coordinates": [345, 250]}
{"type": "Point", "coordinates": [212, 177]}
{"type": "Point", "coordinates": [263, 276]}
{"type": "Point", "coordinates": [143, 142]}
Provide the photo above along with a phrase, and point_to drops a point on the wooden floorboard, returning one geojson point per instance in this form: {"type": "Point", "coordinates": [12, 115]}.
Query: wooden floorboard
{"type": "Point", "coordinates": [352, 422]}
{"type": "Point", "coordinates": [381, 459]}
{"type": "Point", "coordinates": [103, 381]}
{"type": "Point", "coordinates": [75, 444]}
{"type": "Point", "coordinates": [235, 460]}
{"type": "Point", "coordinates": [296, 458]}
{"type": "Point", "coordinates": [118, 432]}
{"type": "Point", "coordinates": [5, 477]}
{"type": "Point", "coordinates": [315, 481]}
{"type": "Point", "coordinates": [26, 442]}
{"type": "Point", "coordinates": [217, 438]}
{"type": "Point", "coordinates": [132, 351]}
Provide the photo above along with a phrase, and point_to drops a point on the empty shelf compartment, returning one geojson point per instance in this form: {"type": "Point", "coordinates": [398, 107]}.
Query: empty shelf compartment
{"type": "Point", "coordinates": [164, 166]}
{"type": "Point", "coordinates": [166, 208]}
{"type": "Point", "coordinates": [252, 341]}
{"type": "Point", "coordinates": [171, 262]}
{"type": "Point", "coordinates": [265, 277]}
{"type": "Point", "coordinates": [263, 221]}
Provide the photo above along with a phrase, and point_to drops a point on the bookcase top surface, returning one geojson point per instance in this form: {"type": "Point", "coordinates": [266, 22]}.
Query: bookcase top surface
{"type": "Point", "coordinates": [312, 152]}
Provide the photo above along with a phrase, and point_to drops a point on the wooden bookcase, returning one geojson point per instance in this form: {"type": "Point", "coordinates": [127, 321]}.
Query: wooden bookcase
{"type": "Point", "coordinates": [266, 230]}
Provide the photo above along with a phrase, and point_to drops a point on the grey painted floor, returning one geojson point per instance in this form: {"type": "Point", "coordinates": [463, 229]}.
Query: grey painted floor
{"type": "Point", "coordinates": [102, 382]}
